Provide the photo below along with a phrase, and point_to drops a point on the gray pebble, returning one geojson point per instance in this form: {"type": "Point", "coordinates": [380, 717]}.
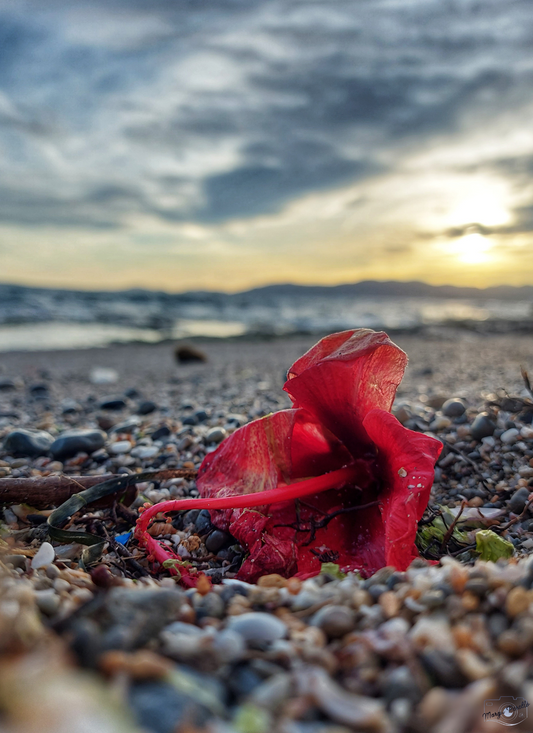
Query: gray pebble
{"type": "Point", "coordinates": [229, 646]}
{"type": "Point", "coordinates": [210, 605]}
{"type": "Point", "coordinates": [17, 561]}
{"type": "Point", "coordinates": [453, 408]}
{"type": "Point", "coordinates": [258, 628]}
{"type": "Point", "coordinates": [432, 599]}
{"type": "Point", "coordinates": [215, 435]}
{"type": "Point", "coordinates": [518, 500]}
{"type": "Point", "coordinates": [335, 621]}
{"type": "Point", "coordinates": [47, 601]}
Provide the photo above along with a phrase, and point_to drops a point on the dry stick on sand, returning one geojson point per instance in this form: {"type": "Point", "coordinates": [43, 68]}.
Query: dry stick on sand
{"type": "Point", "coordinates": [45, 491]}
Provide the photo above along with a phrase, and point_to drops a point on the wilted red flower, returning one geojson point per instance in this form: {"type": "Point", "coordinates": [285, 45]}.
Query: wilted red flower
{"type": "Point", "coordinates": [334, 479]}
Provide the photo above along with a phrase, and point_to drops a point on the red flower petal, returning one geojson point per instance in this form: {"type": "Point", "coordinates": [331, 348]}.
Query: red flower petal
{"type": "Point", "coordinates": [406, 461]}
{"type": "Point", "coordinates": [345, 376]}
{"type": "Point", "coordinates": [360, 479]}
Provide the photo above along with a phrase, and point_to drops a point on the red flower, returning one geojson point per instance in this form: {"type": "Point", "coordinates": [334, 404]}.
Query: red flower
{"type": "Point", "coordinates": [334, 479]}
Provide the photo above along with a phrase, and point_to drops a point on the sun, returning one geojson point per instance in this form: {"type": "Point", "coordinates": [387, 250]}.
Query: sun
{"type": "Point", "coordinates": [473, 249]}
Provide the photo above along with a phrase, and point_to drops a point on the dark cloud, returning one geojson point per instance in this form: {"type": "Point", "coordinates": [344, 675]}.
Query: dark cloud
{"type": "Point", "coordinates": [230, 108]}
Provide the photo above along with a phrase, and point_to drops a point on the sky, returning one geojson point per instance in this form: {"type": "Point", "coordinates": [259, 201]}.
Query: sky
{"type": "Point", "coordinates": [226, 144]}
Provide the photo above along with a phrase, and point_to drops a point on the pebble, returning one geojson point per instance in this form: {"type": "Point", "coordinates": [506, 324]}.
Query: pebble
{"type": "Point", "coordinates": [216, 540]}
{"type": "Point", "coordinates": [518, 601]}
{"type": "Point", "coordinates": [510, 436]}
{"type": "Point", "coordinates": [44, 556]}
{"type": "Point", "coordinates": [31, 443]}
{"type": "Point", "coordinates": [440, 423]}
{"type": "Point", "coordinates": [185, 354]}
{"type": "Point", "coordinates": [144, 452]}
{"type": "Point", "coordinates": [215, 435]}
{"type": "Point", "coordinates": [519, 500]}
{"type": "Point", "coordinates": [161, 433]}
{"type": "Point", "coordinates": [103, 375]}
{"type": "Point", "coordinates": [120, 447]}
{"type": "Point", "coordinates": [47, 601]}
{"type": "Point", "coordinates": [453, 408]}
{"type": "Point", "coordinates": [258, 628]}
{"type": "Point", "coordinates": [113, 403]}
{"type": "Point", "coordinates": [482, 427]}
{"type": "Point", "coordinates": [72, 442]}
{"type": "Point", "coordinates": [335, 621]}
{"type": "Point", "coordinates": [146, 407]}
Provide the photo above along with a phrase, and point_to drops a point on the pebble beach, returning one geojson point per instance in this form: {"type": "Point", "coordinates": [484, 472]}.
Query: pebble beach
{"type": "Point", "coordinates": [100, 642]}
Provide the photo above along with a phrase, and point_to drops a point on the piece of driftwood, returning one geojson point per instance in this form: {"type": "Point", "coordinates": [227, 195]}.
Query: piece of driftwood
{"type": "Point", "coordinates": [42, 492]}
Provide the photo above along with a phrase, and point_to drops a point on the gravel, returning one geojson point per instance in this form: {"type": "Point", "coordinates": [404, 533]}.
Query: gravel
{"type": "Point", "coordinates": [416, 651]}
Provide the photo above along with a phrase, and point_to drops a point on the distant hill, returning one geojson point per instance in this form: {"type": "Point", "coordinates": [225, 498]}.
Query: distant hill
{"type": "Point", "coordinates": [395, 289]}
{"type": "Point", "coordinates": [365, 288]}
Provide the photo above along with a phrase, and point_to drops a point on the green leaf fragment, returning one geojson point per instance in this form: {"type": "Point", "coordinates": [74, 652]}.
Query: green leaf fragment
{"type": "Point", "coordinates": [491, 546]}
{"type": "Point", "coordinates": [252, 719]}
{"type": "Point", "coordinates": [331, 568]}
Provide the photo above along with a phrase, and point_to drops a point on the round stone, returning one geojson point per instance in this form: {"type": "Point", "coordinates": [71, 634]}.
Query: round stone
{"type": "Point", "coordinates": [216, 540]}
{"type": "Point", "coordinates": [72, 442]}
{"type": "Point", "coordinates": [146, 407]}
{"type": "Point", "coordinates": [453, 408]}
{"type": "Point", "coordinates": [258, 628]}
{"type": "Point", "coordinates": [510, 436]}
{"type": "Point", "coordinates": [482, 426]}
{"type": "Point", "coordinates": [335, 621]}
{"type": "Point", "coordinates": [47, 601]}
{"type": "Point", "coordinates": [519, 500]}
{"type": "Point", "coordinates": [215, 435]}
{"type": "Point", "coordinates": [30, 443]}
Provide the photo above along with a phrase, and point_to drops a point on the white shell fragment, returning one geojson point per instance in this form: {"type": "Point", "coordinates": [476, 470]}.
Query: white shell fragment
{"type": "Point", "coordinates": [45, 556]}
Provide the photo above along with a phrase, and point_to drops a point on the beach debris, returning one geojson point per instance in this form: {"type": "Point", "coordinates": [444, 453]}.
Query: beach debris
{"type": "Point", "coordinates": [491, 546]}
{"type": "Point", "coordinates": [297, 486]}
{"type": "Point", "coordinates": [186, 353]}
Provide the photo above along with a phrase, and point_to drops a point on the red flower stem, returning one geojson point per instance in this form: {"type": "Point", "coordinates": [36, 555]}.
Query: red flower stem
{"type": "Point", "coordinates": [332, 480]}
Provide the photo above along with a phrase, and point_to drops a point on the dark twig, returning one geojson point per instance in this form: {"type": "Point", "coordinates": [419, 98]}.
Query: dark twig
{"type": "Point", "coordinates": [450, 529]}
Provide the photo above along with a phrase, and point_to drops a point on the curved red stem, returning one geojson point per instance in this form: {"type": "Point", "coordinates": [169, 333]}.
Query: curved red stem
{"type": "Point", "coordinates": [332, 480]}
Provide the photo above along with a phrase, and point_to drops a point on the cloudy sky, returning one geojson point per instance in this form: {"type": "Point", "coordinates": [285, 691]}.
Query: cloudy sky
{"type": "Point", "coordinates": [183, 144]}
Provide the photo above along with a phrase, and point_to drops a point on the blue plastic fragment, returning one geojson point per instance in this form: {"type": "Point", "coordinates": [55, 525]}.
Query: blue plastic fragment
{"type": "Point", "coordinates": [123, 538]}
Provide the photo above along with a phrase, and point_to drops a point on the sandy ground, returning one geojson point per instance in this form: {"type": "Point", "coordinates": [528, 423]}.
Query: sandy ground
{"type": "Point", "coordinates": [451, 362]}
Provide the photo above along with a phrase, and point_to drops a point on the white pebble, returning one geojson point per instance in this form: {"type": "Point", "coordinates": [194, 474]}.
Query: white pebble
{"type": "Point", "coordinates": [510, 436]}
{"type": "Point", "coordinates": [45, 556]}
{"type": "Point", "coordinates": [527, 432]}
{"type": "Point", "coordinates": [103, 375]}
{"type": "Point", "coordinates": [121, 446]}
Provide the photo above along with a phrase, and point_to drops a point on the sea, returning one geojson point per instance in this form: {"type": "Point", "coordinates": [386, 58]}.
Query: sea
{"type": "Point", "coordinates": [44, 319]}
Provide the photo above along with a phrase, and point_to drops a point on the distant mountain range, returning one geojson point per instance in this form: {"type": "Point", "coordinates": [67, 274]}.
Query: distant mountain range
{"type": "Point", "coordinates": [365, 288]}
